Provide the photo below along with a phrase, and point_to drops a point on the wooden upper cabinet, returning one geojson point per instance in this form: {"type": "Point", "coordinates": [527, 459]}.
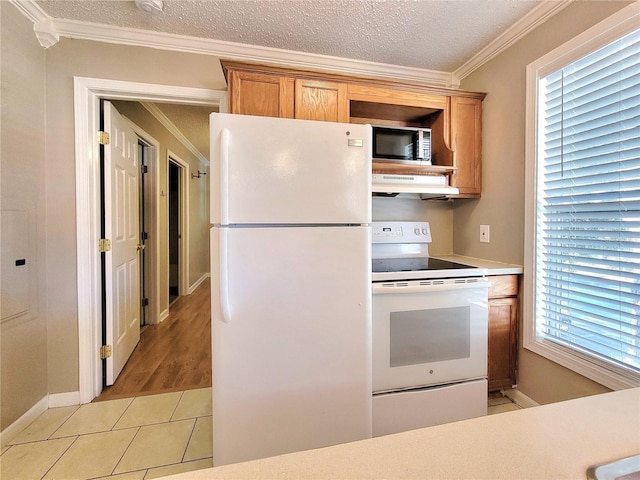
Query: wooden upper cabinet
{"type": "Point", "coordinates": [466, 143]}
{"type": "Point", "coordinates": [260, 94]}
{"type": "Point", "coordinates": [321, 100]}
{"type": "Point", "coordinates": [454, 116]}
{"type": "Point", "coordinates": [272, 95]}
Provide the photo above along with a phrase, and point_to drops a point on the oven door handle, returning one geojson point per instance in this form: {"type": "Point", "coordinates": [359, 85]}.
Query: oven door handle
{"type": "Point", "coordinates": [380, 288]}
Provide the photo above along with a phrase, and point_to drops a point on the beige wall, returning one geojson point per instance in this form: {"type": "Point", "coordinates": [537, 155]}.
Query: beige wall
{"type": "Point", "coordinates": [438, 213]}
{"type": "Point", "coordinates": [23, 358]}
{"type": "Point", "coordinates": [67, 59]}
{"type": "Point", "coordinates": [502, 202]}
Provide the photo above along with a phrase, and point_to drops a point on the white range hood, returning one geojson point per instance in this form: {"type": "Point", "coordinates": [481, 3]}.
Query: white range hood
{"type": "Point", "coordinates": [425, 186]}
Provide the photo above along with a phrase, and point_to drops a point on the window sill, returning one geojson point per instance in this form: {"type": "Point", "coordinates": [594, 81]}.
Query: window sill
{"type": "Point", "coordinates": [613, 377]}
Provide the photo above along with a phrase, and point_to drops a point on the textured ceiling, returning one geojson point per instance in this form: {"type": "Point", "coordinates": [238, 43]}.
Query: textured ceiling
{"type": "Point", "coordinates": [436, 35]}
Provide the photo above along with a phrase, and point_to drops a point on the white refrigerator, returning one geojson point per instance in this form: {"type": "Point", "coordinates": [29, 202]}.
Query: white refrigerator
{"type": "Point", "coordinates": [291, 285]}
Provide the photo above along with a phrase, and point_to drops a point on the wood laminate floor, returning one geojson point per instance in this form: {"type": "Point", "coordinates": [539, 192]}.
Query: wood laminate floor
{"type": "Point", "coordinates": [172, 356]}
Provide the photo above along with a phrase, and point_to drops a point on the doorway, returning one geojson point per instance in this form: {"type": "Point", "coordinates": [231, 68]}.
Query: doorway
{"type": "Point", "coordinates": [87, 95]}
{"type": "Point", "coordinates": [178, 173]}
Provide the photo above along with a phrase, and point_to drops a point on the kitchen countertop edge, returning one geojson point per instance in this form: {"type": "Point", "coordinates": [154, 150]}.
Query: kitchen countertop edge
{"type": "Point", "coordinates": [558, 440]}
{"type": "Point", "coordinates": [493, 267]}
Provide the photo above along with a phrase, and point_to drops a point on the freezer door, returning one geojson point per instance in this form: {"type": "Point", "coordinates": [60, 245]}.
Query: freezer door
{"type": "Point", "coordinates": [282, 171]}
{"type": "Point", "coordinates": [292, 351]}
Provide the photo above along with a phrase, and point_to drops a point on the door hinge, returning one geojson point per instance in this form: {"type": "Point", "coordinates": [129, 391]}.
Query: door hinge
{"type": "Point", "coordinates": [144, 169]}
{"type": "Point", "coordinates": [144, 302]}
{"type": "Point", "coordinates": [103, 138]}
{"type": "Point", "coordinates": [104, 245]}
{"type": "Point", "coordinates": [105, 351]}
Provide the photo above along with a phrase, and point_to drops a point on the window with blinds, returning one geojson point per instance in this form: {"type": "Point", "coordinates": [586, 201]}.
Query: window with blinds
{"type": "Point", "coordinates": [587, 207]}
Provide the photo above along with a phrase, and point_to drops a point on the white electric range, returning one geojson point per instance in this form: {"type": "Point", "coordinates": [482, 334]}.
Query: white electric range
{"type": "Point", "coordinates": [430, 322]}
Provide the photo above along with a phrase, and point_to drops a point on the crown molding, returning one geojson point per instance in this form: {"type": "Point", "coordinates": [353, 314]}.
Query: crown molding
{"type": "Point", "coordinates": [175, 131]}
{"type": "Point", "coordinates": [50, 29]}
{"type": "Point", "coordinates": [250, 53]}
{"type": "Point", "coordinates": [522, 27]}
{"type": "Point", "coordinates": [31, 10]}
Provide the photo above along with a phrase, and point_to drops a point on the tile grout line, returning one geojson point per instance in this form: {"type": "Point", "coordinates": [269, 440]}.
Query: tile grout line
{"type": "Point", "coordinates": [186, 447]}
{"type": "Point", "coordinates": [61, 455]}
{"type": "Point", "coordinates": [176, 407]}
{"type": "Point", "coordinates": [115, 467]}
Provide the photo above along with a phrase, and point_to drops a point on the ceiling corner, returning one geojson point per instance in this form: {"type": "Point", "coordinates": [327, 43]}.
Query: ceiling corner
{"type": "Point", "coordinates": [522, 27]}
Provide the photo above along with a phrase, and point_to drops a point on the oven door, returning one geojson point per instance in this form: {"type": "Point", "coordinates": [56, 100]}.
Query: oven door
{"type": "Point", "coordinates": [429, 332]}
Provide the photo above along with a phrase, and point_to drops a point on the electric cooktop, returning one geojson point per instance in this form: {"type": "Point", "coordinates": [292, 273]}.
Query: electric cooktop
{"type": "Point", "coordinates": [380, 265]}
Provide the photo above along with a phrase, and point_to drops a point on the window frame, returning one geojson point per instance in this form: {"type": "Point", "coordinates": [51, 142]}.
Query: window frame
{"type": "Point", "coordinates": [617, 25]}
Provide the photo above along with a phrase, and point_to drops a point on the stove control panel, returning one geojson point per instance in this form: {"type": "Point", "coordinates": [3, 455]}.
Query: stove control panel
{"type": "Point", "coordinates": [400, 232]}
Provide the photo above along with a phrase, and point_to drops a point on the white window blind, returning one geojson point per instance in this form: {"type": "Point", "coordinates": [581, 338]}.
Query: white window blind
{"type": "Point", "coordinates": [587, 263]}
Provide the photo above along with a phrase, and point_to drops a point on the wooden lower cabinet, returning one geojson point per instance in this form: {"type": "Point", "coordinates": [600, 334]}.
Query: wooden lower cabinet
{"type": "Point", "coordinates": [503, 331]}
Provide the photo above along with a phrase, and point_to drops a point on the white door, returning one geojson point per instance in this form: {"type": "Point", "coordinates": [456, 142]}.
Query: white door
{"type": "Point", "coordinates": [122, 268]}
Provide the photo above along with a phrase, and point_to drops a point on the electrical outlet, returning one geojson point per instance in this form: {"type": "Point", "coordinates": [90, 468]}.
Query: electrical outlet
{"type": "Point", "coordinates": [484, 233]}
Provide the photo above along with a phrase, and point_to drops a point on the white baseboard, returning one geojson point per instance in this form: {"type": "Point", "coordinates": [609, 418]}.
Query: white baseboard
{"type": "Point", "coordinates": [519, 398]}
{"type": "Point", "coordinates": [163, 316]}
{"type": "Point", "coordinates": [24, 421]}
{"type": "Point", "coordinates": [64, 399]}
{"type": "Point", "coordinates": [193, 287]}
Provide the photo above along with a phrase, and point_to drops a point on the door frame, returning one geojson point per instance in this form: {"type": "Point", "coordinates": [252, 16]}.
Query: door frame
{"type": "Point", "coordinates": [183, 244]}
{"type": "Point", "coordinates": [87, 95]}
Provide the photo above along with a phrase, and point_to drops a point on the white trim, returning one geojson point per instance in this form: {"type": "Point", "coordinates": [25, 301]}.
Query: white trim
{"type": "Point", "coordinates": [613, 27]}
{"type": "Point", "coordinates": [522, 27]}
{"type": "Point", "coordinates": [163, 316]}
{"type": "Point", "coordinates": [250, 53]}
{"type": "Point", "coordinates": [198, 282]}
{"type": "Point", "coordinates": [31, 10]}
{"type": "Point", "coordinates": [520, 398]}
{"type": "Point", "coordinates": [67, 399]}
{"type": "Point", "coordinates": [9, 433]}
{"type": "Point", "coordinates": [175, 131]}
{"type": "Point", "coordinates": [87, 94]}
{"type": "Point", "coordinates": [183, 246]}
{"type": "Point", "coordinates": [289, 58]}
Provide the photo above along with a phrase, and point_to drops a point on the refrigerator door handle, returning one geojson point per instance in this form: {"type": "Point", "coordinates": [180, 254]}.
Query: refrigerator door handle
{"type": "Point", "coordinates": [225, 315]}
{"type": "Point", "coordinates": [225, 135]}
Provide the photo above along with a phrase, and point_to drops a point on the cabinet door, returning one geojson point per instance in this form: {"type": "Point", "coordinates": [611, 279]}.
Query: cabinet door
{"type": "Point", "coordinates": [321, 100]}
{"type": "Point", "coordinates": [466, 143]}
{"type": "Point", "coordinates": [503, 328]}
{"type": "Point", "coordinates": [260, 94]}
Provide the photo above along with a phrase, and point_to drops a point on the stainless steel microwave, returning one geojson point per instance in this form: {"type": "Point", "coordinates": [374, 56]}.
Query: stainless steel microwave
{"type": "Point", "coordinates": [402, 144]}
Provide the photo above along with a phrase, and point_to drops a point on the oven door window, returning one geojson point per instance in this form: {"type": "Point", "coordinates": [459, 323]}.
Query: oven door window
{"type": "Point", "coordinates": [427, 336]}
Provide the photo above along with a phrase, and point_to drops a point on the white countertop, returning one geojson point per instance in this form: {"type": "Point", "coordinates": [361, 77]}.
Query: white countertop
{"type": "Point", "coordinates": [559, 440]}
{"type": "Point", "coordinates": [493, 268]}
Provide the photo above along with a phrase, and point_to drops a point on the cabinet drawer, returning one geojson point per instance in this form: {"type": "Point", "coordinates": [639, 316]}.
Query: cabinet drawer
{"type": "Point", "coordinates": [503, 286]}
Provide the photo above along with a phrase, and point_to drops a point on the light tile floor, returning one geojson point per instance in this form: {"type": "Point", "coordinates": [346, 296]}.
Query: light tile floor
{"type": "Point", "coordinates": [133, 438]}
